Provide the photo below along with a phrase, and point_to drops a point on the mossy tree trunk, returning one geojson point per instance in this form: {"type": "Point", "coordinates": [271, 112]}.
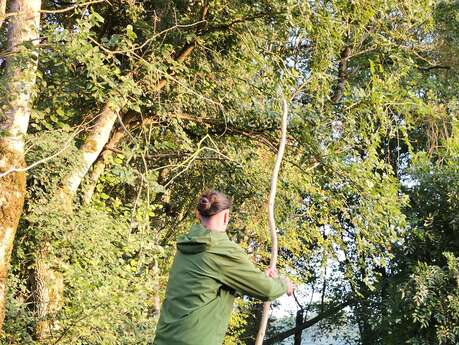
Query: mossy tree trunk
{"type": "Point", "coordinates": [90, 150]}
{"type": "Point", "coordinates": [20, 75]}
{"type": "Point", "coordinates": [48, 294]}
{"type": "Point", "coordinates": [2, 11]}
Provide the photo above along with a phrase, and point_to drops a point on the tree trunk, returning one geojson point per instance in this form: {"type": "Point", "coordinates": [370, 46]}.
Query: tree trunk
{"type": "Point", "coordinates": [90, 150]}
{"type": "Point", "coordinates": [120, 133]}
{"type": "Point", "coordinates": [156, 301]}
{"type": "Point", "coordinates": [48, 295]}
{"type": "Point", "coordinates": [20, 74]}
{"type": "Point", "coordinates": [342, 75]}
{"type": "Point", "coordinates": [99, 166]}
{"type": "Point", "coordinates": [2, 11]}
{"type": "Point", "coordinates": [298, 330]}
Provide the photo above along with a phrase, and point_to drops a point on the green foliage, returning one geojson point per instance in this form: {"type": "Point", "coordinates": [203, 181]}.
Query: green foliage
{"type": "Point", "coordinates": [367, 202]}
{"type": "Point", "coordinates": [436, 299]}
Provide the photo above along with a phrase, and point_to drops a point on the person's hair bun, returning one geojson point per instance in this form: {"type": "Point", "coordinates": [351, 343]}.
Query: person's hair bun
{"type": "Point", "coordinates": [212, 202]}
{"type": "Point", "coordinates": [204, 203]}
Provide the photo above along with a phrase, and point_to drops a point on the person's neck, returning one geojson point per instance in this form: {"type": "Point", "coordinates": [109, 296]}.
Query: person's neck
{"type": "Point", "coordinates": [214, 226]}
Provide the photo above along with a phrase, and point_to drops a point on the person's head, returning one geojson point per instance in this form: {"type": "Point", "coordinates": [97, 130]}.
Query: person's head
{"type": "Point", "coordinates": [213, 210]}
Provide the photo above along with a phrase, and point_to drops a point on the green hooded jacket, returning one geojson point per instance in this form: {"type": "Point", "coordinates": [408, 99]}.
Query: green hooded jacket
{"type": "Point", "coordinates": [208, 270]}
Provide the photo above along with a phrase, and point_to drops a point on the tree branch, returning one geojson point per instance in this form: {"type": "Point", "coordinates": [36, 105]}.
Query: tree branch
{"type": "Point", "coordinates": [434, 67]}
{"type": "Point", "coordinates": [4, 15]}
{"type": "Point", "coordinates": [226, 26]}
{"type": "Point", "coordinates": [183, 54]}
{"type": "Point", "coordinates": [309, 323]}
{"type": "Point", "coordinates": [342, 74]}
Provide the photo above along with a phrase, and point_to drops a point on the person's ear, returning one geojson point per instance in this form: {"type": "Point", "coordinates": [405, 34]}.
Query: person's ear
{"type": "Point", "coordinates": [197, 215]}
{"type": "Point", "coordinates": [226, 217]}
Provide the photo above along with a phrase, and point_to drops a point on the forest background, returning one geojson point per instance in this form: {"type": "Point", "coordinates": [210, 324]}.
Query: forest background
{"type": "Point", "coordinates": [116, 114]}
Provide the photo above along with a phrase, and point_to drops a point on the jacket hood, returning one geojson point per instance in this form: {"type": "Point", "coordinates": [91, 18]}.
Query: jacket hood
{"type": "Point", "coordinates": [199, 239]}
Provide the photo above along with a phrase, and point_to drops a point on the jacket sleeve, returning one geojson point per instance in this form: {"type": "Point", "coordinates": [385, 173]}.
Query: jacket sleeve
{"type": "Point", "coordinates": [238, 272]}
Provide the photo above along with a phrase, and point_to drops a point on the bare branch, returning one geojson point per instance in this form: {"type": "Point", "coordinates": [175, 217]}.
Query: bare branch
{"type": "Point", "coordinates": [4, 15]}
{"type": "Point", "coordinates": [342, 74]}
{"type": "Point", "coordinates": [183, 54]}
{"type": "Point", "coordinates": [62, 10]}
{"type": "Point", "coordinates": [433, 67]}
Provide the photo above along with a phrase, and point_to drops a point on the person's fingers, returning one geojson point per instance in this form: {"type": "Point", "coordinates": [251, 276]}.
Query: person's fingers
{"type": "Point", "coordinates": [271, 272]}
{"type": "Point", "coordinates": [291, 288]}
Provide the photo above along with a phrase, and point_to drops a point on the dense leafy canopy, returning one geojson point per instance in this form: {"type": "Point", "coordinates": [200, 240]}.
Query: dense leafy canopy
{"type": "Point", "coordinates": [367, 203]}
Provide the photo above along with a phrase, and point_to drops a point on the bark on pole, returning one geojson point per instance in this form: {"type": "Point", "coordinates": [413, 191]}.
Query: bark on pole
{"type": "Point", "coordinates": [20, 75]}
{"type": "Point", "coordinates": [271, 220]}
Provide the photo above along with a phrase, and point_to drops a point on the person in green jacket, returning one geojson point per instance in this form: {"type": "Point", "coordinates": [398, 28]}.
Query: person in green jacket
{"type": "Point", "coordinates": [208, 271]}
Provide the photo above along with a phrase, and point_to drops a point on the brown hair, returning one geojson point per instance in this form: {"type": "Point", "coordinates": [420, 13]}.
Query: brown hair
{"type": "Point", "coordinates": [212, 202]}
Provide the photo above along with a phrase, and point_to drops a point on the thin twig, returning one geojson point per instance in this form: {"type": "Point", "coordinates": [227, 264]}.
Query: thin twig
{"type": "Point", "coordinates": [297, 301]}
{"type": "Point", "coordinates": [131, 50]}
{"type": "Point", "coordinates": [189, 161]}
{"type": "Point", "coordinates": [62, 10]}
{"type": "Point", "coordinates": [44, 160]}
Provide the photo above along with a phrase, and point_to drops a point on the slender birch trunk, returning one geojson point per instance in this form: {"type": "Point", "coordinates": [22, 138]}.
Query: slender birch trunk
{"type": "Point", "coordinates": [100, 135]}
{"type": "Point", "coordinates": [99, 166]}
{"type": "Point", "coordinates": [2, 11]}
{"type": "Point", "coordinates": [21, 66]}
{"type": "Point", "coordinates": [48, 295]}
{"type": "Point", "coordinates": [91, 149]}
